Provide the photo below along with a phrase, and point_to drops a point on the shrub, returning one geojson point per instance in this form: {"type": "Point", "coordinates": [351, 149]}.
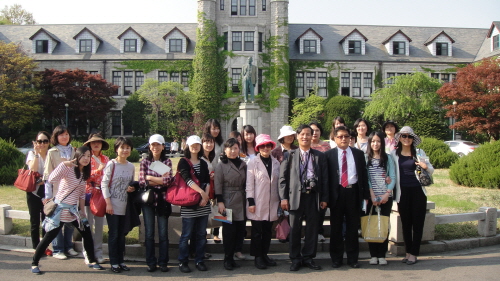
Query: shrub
{"type": "Point", "coordinates": [11, 159]}
{"type": "Point", "coordinates": [429, 124]}
{"type": "Point", "coordinates": [134, 156]}
{"type": "Point", "coordinates": [345, 107]}
{"type": "Point", "coordinates": [439, 153]}
{"type": "Point", "coordinates": [480, 168]}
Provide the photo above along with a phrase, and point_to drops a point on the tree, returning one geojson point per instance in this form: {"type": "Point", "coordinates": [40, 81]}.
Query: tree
{"type": "Point", "coordinates": [346, 107]}
{"type": "Point", "coordinates": [409, 96]}
{"type": "Point", "coordinates": [18, 99]}
{"type": "Point", "coordinates": [15, 14]}
{"type": "Point", "coordinates": [476, 91]}
{"type": "Point", "coordinates": [135, 114]}
{"type": "Point", "coordinates": [307, 110]}
{"type": "Point", "coordinates": [89, 97]}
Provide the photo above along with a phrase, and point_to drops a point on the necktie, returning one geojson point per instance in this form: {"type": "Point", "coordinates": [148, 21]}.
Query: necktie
{"type": "Point", "coordinates": [343, 179]}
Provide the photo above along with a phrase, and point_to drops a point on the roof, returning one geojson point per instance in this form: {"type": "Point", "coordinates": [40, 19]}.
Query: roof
{"type": "Point", "coordinates": [355, 30]}
{"type": "Point", "coordinates": [390, 37]}
{"type": "Point", "coordinates": [312, 30]}
{"type": "Point", "coordinates": [494, 24]}
{"type": "Point", "coordinates": [175, 29]}
{"type": "Point", "coordinates": [432, 38]}
{"type": "Point", "coordinates": [89, 31]}
{"type": "Point", "coordinates": [46, 32]}
{"type": "Point", "coordinates": [131, 29]}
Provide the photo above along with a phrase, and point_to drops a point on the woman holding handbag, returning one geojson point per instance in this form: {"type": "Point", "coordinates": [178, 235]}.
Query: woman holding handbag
{"type": "Point", "coordinates": [97, 164]}
{"type": "Point", "coordinates": [158, 208]}
{"type": "Point", "coordinates": [70, 199]}
{"type": "Point", "coordinates": [263, 199]}
{"type": "Point", "coordinates": [35, 161]}
{"type": "Point", "coordinates": [410, 194]}
{"type": "Point", "coordinates": [380, 165]}
{"type": "Point", "coordinates": [194, 218]}
{"type": "Point", "coordinates": [115, 188]}
{"type": "Point", "coordinates": [230, 179]}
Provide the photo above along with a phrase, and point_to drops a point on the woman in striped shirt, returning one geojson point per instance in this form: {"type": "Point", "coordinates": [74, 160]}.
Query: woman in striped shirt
{"type": "Point", "coordinates": [380, 166]}
{"type": "Point", "coordinates": [71, 176]}
{"type": "Point", "coordinates": [194, 218]}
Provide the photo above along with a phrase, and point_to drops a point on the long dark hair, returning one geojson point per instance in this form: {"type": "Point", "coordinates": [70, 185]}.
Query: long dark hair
{"type": "Point", "coordinates": [249, 130]}
{"type": "Point", "coordinates": [58, 131]}
{"type": "Point", "coordinates": [369, 151]}
{"type": "Point", "coordinates": [356, 124]}
{"type": "Point", "coordinates": [213, 123]}
{"type": "Point", "coordinates": [80, 152]}
{"type": "Point", "coordinates": [229, 143]}
{"type": "Point", "coordinates": [208, 137]}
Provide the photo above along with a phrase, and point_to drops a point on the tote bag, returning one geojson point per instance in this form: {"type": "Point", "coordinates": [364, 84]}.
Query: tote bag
{"type": "Point", "coordinates": [375, 228]}
{"type": "Point", "coordinates": [26, 180]}
{"type": "Point", "coordinates": [181, 194]}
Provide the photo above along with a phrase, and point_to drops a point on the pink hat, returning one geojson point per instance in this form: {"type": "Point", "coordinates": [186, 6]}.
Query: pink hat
{"type": "Point", "coordinates": [263, 139]}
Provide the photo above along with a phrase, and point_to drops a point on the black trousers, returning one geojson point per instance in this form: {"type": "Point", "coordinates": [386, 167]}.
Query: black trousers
{"type": "Point", "coordinates": [347, 205]}
{"type": "Point", "coordinates": [88, 243]}
{"type": "Point", "coordinates": [412, 208]}
{"type": "Point", "coordinates": [232, 233]}
{"type": "Point", "coordinates": [378, 250]}
{"type": "Point", "coordinates": [308, 210]}
{"type": "Point", "coordinates": [321, 220]}
{"type": "Point", "coordinates": [35, 209]}
{"type": "Point", "coordinates": [261, 238]}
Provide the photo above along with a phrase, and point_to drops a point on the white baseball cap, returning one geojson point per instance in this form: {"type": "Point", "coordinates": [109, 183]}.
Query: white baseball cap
{"type": "Point", "coordinates": [192, 140]}
{"type": "Point", "coordinates": [156, 138]}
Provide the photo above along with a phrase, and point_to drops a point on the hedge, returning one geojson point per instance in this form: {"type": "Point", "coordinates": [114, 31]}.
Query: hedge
{"type": "Point", "coordinates": [12, 160]}
{"type": "Point", "coordinates": [439, 153]}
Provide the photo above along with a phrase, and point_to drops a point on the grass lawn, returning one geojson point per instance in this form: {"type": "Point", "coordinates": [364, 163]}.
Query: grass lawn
{"type": "Point", "coordinates": [449, 198]}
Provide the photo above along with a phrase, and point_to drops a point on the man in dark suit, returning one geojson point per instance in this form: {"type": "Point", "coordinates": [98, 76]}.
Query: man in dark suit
{"type": "Point", "coordinates": [303, 191]}
{"type": "Point", "coordinates": [348, 181]}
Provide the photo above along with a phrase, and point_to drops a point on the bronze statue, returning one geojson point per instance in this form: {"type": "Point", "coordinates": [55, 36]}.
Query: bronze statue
{"type": "Point", "coordinates": [248, 79]}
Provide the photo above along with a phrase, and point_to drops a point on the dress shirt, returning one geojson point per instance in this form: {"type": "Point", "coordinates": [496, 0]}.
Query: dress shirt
{"type": "Point", "coordinates": [352, 176]}
{"type": "Point", "coordinates": [310, 167]}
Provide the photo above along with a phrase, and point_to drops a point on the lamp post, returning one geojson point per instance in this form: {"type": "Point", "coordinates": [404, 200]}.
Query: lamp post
{"type": "Point", "coordinates": [66, 105]}
{"type": "Point", "coordinates": [454, 110]}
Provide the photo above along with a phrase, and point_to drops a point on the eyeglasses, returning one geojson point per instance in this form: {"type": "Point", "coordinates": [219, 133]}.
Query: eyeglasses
{"type": "Point", "coordinates": [42, 141]}
{"type": "Point", "coordinates": [267, 145]}
{"type": "Point", "coordinates": [407, 136]}
{"type": "Point", "coordinates": [344, 137]}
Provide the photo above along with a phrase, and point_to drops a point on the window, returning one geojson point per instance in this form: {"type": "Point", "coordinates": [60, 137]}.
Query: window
{"type": "Point", "coordinates": [185, 78]}
{"type": "Point", "coordinates": [299, 84]}
{"type": "Point", "coordinates": [116, 123]}
{"type": "Point", "coordinates": [175, 45]}
{"type": "Point", "coordinates": [93, 72]}
{"type": "Point", "coordinates": [243, 7]}
{"type": "Point", "coordinates": [354, 47]}
{"type": "Point", "coordinates": [85, 45]}
{"type": "Point", "coordinates": [162, 76]}
{"type": "Point", "coordinates": [441, 49]}
{"type": "Point", "coordinates": [435, 75]}
{"type": "Point", "coordinates": [42, 46]}
{"type": "Point", "coordinates": [117, 80]}
{"type": "Point", "coordinates": [398, 48]}
{"type": "Point", "coordinates": [322, 84]}
{"type": "Point", "coordinates": [222, 5]}
{"type": "Point", "coordinates": [453, 77]}
{"type": "Point", "coordinates": [128, 81]}
{"type": "Point", "coordinates": [367, 84]}
{"type": "Point", "coordinates": [345, 83]}
{"type": "Point", "coordinates": [174, 76]}
{"type": "Point", "coordinates": [234, 7]}
{"type": "Point", "coordinates": [237, 41]}
{"type": "Point", "coordinates": [264, 6]}
{"type": "Point", "coordinates": [390, 79]}
{"type": "Point", "coordinates": [225, 40]}
{"type": "Point", "coordinates": [130, 45]}
{"type": "Point", "coordinates": [259, 78]}
{"type": "Point", "coordinates": [251, 7]}
{"type": "Point", "coordinates": [356, 84]}
{"type": "Point", "coordinates": [310, 81]}
{"type": "Point", "coordinates": [249, 40]}
{"type": "Point", "coordinates": [309, 46]}
{"type": "Point", "coordinates": [445, 77]}
{"type": "Point", "coordinates": [235, 79]}
{"type": "Point", "coordinates": [496, 42]}
{"type": "Point", "coordinates": [139, 79]}
{"type": "Point", "coordinates": [260, 41]}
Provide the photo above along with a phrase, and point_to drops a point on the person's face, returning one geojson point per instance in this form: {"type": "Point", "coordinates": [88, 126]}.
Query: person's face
{"type": "Point", "coordinates": [352, 141]}
{"type": "Point", "coordinates": [208, 145]}
{"type": "Point", "coordinates": [249, 137]}
{"type": "Point", "coordinates": [390, 130]}
{"type": "Point", "coordinates": [156, 148]}
{"type": "Point", "coordinates": [239, 139]}
{"type": "Point", "coordinates": [214, 131]}
{"type": "Point", "coordinates": [42, 142]}
{"type": "Point", "coordinates": [289, 139]}
{"type": "Point", "coordinates": [304, 138]}
{"type": "Point", "coordinates": [96, 146]}
{"type": "Point", "coordinates": [338, 124]}
{"type": "Point", "coordinates": [85, 159]}
{"type": "Point", "coordinates": [406, 140]}
{"type": "Point", "coordinates": [265, 149]}
{"type": "Point", "coordinates": [375, 144]}
{"type": "Point", "coordinates": [233, 151]}
{"type": "Point", "coordinates": [123, 151]}
{"type": "Point", "coordinates": [316, 133]}
{"type": "Point", "coordinates": [342, 139]}
{"type": "Point", "coordinates": [362, 128]}
{"type": "Point", "coordinates": [194, 149]}
{"type": "Point", "coordinates": [63, 139]}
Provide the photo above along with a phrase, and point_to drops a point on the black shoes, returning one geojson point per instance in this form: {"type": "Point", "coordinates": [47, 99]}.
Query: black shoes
{"type": "Point", "coordinates": [116, 269]}
{"type": "Point", "coordinates": [409, 262]}
{"type": "Point", "coordinates": [354, 265]}
{"type": "Point", "coordinates": [311, 264]}
{"type": "Point", "coordinates": [260, 263]}
{"type": "Point", "coordinates": [295, 266]}
{"type": "Point", "coordinates": [201, 266]}
{"type": "Point", "coordinates": [124, 267]}
{"type": "Point", "coordinates": [184, 267]}
{"type": "Point", "coordinates": [336, 264]}
{"type": "Point", "coordinates": [152, 268]}
{"type": "Point", "coordinates": [404, 260]}
{"type": "Point", "coordinates": [269, 261]}
{"type": "Point", "coordinates": [228, 265]}
{"type": "Point", "coordinates": [164, 268]}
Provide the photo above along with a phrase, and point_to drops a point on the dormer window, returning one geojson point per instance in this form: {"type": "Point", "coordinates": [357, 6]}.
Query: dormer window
{"type": "Point", "coordinates": [44, 42]}
{"type": "Point", "coordinates": [176, 41]}
{"type": "Point", "coordinates": [496, 42]}
{"type": "Point", "coordinates": [42, 46]}
{"type": "Point", "coordinates": [398, 48]}
{"type": "Point", "coordinates": [130, 45]}
{"type": "Point", "coordinates": [87, 41]}
{"type": "Point", "coordinates": [309, 42]}
{"type": "Point", "coordinates": [398, 44]}
{"type": "Point", "coordinates": [131, 41]}
{"type": "Point", "coordinates": [354, 43]}
{"type": "Point", "coordinates": [354, 47]}
{"type": "Point", "coordinates": [440, 44]}
{"type": "Point", "coordinates": [85, 45]}
{"type": "Point", "coordinates": [309, 46]}
{"type": "Point", "coordinates": [441, 49]}
{"type": "Point", "coordinates": [175, 45]}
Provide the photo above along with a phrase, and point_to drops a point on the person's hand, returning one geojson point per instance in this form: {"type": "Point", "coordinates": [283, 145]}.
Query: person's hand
{"type": "Point", "coordinates": [71, 164]}
{"type": "Point", "coordinates": [109, 209]}
{"type": "Point", "coordinates": [101, 167]}
{"type": "Point", "coordinates": [204, 199]}
{"type": "Point", "coordinates": [374, 201]}
{"type": "Point", "coordinates": [130, 189]}
{"type": "Point", "coordinates": [422, 164]}
{"type": "Point", "coordinates": [284, 205]}
{"type": "Point", "coordinates": [251, 209]}
{"type": "Point", "coordinates": [323, 205]}
{"type": "Point", "coordinates": [167, 174]}
{"type": "Point", "coordinates": [83, 215]}
{"type": "Point", "coordinates": [385, 198]}
{"type": "Point", "coordinates": [37, 147]}
{"type": "Point", "coordinates": [212, 175]}
{"type": "Point", "coordinates": [222, 208]}
{"type": "Point", "coordinates": [388, 180]}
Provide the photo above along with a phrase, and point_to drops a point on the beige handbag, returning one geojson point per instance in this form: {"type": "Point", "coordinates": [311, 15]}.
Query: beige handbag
{"type": "Point", "coordinates": [375, 228]}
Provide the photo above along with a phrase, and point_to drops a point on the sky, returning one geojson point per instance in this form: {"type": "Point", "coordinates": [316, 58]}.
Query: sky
{"type": "Point", "coordinates": [438, 13]}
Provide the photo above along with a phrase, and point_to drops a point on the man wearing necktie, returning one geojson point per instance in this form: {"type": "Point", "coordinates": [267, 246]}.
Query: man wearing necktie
{"type": "Point", "coordinates": [348, 188]}
{"type": "Point", "coordinates": [303, 191]}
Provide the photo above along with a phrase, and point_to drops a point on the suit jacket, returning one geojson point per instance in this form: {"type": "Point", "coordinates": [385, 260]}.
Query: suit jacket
{"type": "Point", "coordinates": [290, 184]}
{"type": "Point", "coordinates": [334, 173]}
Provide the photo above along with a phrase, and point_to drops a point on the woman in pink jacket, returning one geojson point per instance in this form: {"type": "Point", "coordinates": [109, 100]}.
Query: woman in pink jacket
{"type": "Point", "coordinates": [262, 199]}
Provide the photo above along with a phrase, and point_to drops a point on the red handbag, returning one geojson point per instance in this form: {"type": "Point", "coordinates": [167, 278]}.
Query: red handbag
{"type": "Point", "coordinates": [26, 180]}
{"type": "Point", "coordinates": [97, 202]}
{"type": "Point", "coordinates": [283, 228]}
{"type": "Point", "coordinates": [181, 194]}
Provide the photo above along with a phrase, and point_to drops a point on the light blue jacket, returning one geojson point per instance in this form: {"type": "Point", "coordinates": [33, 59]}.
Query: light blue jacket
{"type": "Point", "coordinates": [390, 172]}
{"type": "Point", "coordinates": [54, 221]}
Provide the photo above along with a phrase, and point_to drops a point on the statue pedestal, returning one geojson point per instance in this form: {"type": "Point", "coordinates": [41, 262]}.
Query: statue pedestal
{"type": "Point", "coordinates": [249, 113]}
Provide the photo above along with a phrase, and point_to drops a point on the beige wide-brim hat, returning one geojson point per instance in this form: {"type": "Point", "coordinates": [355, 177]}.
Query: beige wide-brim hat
{"type": "Point", "coordinates": [105, 145]}
{"type": "Point", "coordinates": [406, 130]}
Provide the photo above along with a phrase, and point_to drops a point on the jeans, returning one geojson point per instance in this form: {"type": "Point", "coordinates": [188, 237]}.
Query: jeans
{"type": "Point", "coordinates": [35, 207]}
{"type": "Point", "coordinates": [198, 226]}
{"type": "Point", "coordinates": [96, 226]}
{"type": "Point", "coordinates": [116, 238]}
{"type": "Point", "coordinates": [64, 240]}
{"type": "Point", "coordinates": [148, 213]}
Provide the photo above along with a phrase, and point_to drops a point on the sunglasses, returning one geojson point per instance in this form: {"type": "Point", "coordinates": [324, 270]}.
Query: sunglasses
{"type": "Point", "coordinates": [42, 141]}
{"type": "Point", "coordinates": [267, 145]}
{"type": "Point", "coordinates": [343, 137]}
{"type": "Point", "coordinates": [407, 136]}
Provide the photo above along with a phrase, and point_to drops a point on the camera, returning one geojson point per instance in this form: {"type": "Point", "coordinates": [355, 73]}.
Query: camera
{"type": "Point", "coordinates": [85, 222]}
{"type": "Point", "coordinates": [309, 185]}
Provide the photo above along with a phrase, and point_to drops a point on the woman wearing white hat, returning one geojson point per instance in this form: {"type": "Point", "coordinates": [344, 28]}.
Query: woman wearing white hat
{"type": "Point", "coordinates": [286, 139]}
{"type": "Point", "coordinates": [410, 194]}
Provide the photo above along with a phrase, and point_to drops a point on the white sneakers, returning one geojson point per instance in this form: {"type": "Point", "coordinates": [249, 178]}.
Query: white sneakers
{"type": "Point", "coordinates": [60, 256]}
{"type": "Point", "coordinates": [321, 238]}
{"type": "Point", "coordinates": [382, 261]}
{"type": "Point", "coordinates": [375, 261]}
{"type": "Point", "coordinates": [72, 252]}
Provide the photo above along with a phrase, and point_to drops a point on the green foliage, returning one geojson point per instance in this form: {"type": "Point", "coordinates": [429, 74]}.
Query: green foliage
{"type": "Point", "coordinates": [429, 124]}
{"type": "Point", "coordinates": [134, 155]}
{"type": "Point", "coordinates": [480, 168]}
{"type": "Point", "coordinates": [345, 107]}
{"type": "Point", "coordinates": [333, 86]}
{"type": "Point", "coordinates": [163, 65]}
{"type": "Point", "coordinates": [134, 114]}
{"type": "Point", "coordinates": [11, 159]}
{"type": "Point", "coordinates": [439, 153]}
{"type": "Point", "coordinates": [307, 110]}
{"type": "Point", "coordinates": [15, 14]}
{"type": "Point", "coordinates": [378, 80]}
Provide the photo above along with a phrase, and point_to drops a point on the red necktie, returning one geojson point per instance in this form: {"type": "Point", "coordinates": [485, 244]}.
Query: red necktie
{"type": "Point", "coordinates": [344, 180]}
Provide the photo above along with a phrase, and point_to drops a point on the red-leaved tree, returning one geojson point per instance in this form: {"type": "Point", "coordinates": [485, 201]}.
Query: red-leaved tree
{"type": "Point", "coordinates": [477, 94]}
{"type": "Point", "coordinates": [89, 97]}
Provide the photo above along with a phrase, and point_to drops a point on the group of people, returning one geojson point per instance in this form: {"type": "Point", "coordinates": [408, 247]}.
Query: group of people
{"type": "Point", "coordinates": [248, 174]}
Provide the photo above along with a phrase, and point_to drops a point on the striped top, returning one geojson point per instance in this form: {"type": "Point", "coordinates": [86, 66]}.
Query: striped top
{"type": "Point", "coordinates": [190, 212]}
{"type": "Point", "coordinates": [68, 185]}
{"type": "Point", "coordinates": [377, 176]}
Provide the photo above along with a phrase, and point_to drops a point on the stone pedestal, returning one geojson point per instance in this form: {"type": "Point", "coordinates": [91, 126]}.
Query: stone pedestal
{"type": "Point", "coordinates": [396, 230]}
{"type": "Point", "coordinates": [250, 113]}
